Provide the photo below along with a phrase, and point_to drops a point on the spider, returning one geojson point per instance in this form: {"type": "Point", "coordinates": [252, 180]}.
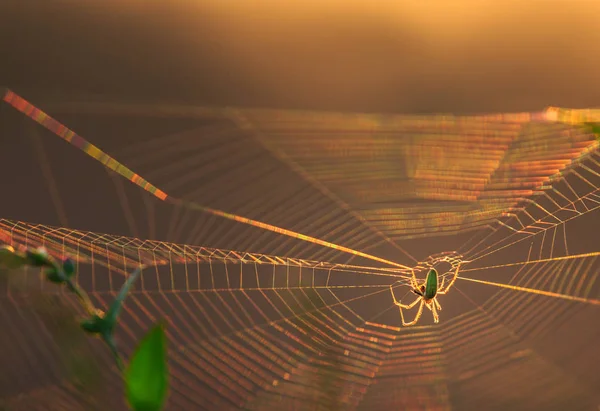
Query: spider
{"type": "Point", "coordinates": [427, 294]}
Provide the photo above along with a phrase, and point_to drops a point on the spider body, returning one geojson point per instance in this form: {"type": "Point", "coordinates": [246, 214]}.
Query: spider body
{"type": "Point", "coordinates": [428, 290]}
{"type": "Point", "coordinates": [427, 293]}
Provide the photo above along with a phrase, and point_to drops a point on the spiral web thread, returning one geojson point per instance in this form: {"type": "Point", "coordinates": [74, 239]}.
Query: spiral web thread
{"type": "Point", "coordinates": [258, 331]}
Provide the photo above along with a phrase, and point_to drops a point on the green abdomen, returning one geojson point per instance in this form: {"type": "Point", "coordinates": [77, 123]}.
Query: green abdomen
{"type": "Point", "coordinates": [431, 284]}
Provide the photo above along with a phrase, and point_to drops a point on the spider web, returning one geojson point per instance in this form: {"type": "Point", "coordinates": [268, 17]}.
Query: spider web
{"type": "Point", "coordinates": [282, 300]}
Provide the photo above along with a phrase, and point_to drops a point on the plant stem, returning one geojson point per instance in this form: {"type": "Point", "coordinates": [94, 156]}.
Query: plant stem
{"type": "Point", "coordinates": [113, 348]}
{"type": "Point", "coordinates": [83, 297]}
{"type": "Point", "coordinates": [88, 306]}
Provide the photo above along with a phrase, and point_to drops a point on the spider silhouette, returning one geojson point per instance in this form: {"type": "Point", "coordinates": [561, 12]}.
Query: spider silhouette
{"type": "Point", "coordinates": [427, 292]}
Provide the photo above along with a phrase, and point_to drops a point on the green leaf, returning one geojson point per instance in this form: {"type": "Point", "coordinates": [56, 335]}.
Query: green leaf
{"type": "Point", "coordinates": [10, 259]}
{"type": "Point", "coordinates": [115, 307]}
{"type": "Point", "coordinates": [146, 377]}
{"type": "Point", "coordinates": [94, 325]}
{"type": "Point", "coordinates": [595, 127]}
{"type": "Point", "coordinates": [54, 276]}
{"type": "Point", "coordinates": [105, 325]}
{"type": "Point", "coordinates": [69, 267]}
{"type": "Point", "coordinates": [38, 257]}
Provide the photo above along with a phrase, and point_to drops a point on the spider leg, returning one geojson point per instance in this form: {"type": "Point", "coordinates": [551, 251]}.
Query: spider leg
{"type": "Point", "coordinates": [441, 287]}
{"type": "Point", "coordinates": [413, 280]}
{"type": "Point", "coordinates": [419, 312]}
{"type": "Point", "coordinates": [408, 307]}
{"type": "Point", "coordinates": [437, 304]}
{"type": "Point", "coordinates": [436, 317]}
{"type": "Point", "coordinates": [392, 291]}
{"type": "Point", "coordinates": [398, 303]}
{"type": "Point", "coordinates": [442, 290]}
{"type": "Point", "coordinates": [434, 310]}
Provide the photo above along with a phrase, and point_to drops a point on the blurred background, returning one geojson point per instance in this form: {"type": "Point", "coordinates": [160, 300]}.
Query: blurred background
{"type": "Point", "coordinates": [463, 56]}
{"type": "Point", "coordinates": [334, 120]}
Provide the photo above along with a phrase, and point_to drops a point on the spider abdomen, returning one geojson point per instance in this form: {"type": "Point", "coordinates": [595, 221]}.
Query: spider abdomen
{"type": "Point", "coordinates": [431, 284]}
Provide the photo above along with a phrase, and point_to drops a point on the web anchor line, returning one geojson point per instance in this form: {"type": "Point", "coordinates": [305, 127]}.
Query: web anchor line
{"type": "Point", "coordinates": [91, 150]}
